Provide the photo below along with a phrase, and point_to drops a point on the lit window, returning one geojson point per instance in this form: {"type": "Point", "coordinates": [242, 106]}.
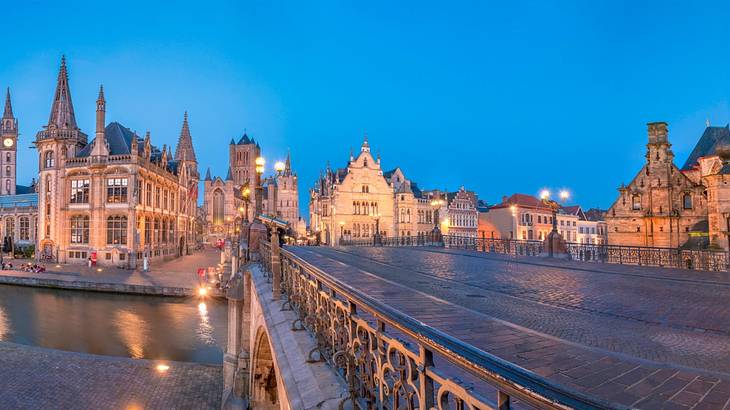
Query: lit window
{"type": "Point", "coordinates": [116, 190]}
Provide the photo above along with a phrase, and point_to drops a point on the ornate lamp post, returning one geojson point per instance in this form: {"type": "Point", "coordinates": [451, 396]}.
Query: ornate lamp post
{"type": "Point", "coordinates": [436, 204]}
{"type": "Point", "coordinates": [260, 162]}
{"type": "Point", "coordinates": [554, 236]}
{"type": "Point", "coordinates": [279, 167]}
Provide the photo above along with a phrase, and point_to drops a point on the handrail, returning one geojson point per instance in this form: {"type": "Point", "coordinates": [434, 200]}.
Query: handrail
{"type": "Point", "coordinates": [507, 377]}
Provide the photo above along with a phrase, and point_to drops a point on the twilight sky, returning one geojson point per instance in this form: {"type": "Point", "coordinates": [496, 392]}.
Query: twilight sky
{"type": "Point", "coordinates": [501, 98]}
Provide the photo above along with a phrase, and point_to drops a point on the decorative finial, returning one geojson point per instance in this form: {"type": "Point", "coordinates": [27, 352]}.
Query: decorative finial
{"type": "Point", "coordinates": [707, 122]}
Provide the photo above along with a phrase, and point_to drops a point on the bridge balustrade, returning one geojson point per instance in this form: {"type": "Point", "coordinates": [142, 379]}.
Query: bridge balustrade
{"type": "Point", "coordinates": [711, 260]}
{"type": "Point", "coordinates": [360, 338]}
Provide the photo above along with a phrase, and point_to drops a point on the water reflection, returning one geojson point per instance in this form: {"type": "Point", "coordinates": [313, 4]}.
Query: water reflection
{"type": "Point", "coordinates": [205, 329]}
{"type": "Point", "coordinates": [119, 325]}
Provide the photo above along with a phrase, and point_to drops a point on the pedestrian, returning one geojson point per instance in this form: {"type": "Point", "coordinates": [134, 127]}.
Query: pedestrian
{"type": "Point", "coordinates": [89, 262]}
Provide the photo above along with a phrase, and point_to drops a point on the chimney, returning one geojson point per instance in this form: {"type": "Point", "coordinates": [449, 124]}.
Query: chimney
{"type": "Point", "coordinates": [657, 132]}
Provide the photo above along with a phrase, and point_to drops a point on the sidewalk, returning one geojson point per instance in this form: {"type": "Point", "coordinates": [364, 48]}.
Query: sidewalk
{"type": "Point", "coordinates": [177, 277]}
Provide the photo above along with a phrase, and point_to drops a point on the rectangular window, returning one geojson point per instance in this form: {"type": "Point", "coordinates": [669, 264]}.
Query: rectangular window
{"type": "Point", "coordinates": [164, 199]}
{"type": "Point", "coordinates": [148, 195]}
{"type": "Point", "coordinates": [24, 228]}
{"type": "Point", "coordinates": [80, 229]}
{"type": "Point", "coordinates": [79, 191]}
{"type": "Point", "coordinates": [116, 230]}
{"type": "Point", "coordinates": [157, 197]}
{"type": "Point", "coordinates": [116, 190]}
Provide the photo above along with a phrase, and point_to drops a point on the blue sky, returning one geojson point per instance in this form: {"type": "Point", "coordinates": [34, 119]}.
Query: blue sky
{"type": "Point", "coordinates": [500, 97]}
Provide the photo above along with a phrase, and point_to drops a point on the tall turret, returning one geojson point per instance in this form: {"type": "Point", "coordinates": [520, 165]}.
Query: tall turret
{"type": "Point", "coordinates": [100, 148]}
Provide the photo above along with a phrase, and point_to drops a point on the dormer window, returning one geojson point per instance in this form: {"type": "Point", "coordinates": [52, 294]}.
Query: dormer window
{"type": "Point", "coordinates": [365, 162]}
{"type": "Point", "coordinates": [636, 202]}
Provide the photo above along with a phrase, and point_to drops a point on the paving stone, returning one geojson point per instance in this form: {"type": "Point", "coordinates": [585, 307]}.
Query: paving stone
{"type": "Point", "coordinates": [621, 327]}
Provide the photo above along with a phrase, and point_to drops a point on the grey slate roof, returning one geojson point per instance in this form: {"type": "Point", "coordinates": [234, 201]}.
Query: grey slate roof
{"type": "Point", "coordinates": [244, 139]}
{"type": "Point", "coordinates": [710, 140]}
{"type": "Point", "coordinates": [19, 200]}
{"type": "Point", "coordinates": [22, 189]}
{"type": "Point", "coordinates": [118, 138]}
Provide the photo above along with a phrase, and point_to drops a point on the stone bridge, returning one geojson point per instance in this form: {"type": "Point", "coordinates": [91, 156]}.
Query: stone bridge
{"type": "Point", "coordinates": [398, 327]}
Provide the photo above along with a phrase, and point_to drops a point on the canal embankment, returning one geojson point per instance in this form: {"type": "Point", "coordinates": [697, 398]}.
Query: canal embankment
{"type": "Point", "coordinates": [40, 378]}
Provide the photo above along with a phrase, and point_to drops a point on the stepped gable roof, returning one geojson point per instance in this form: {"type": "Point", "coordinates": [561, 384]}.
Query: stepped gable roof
{"type": "Point", "coordinates": [708, 142]}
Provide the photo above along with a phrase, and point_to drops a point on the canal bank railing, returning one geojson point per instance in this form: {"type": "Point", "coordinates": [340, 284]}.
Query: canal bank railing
{"type": "Point", "coordinates": [355, 335]}
{"type": "Point", "coordinates": [710, 260]}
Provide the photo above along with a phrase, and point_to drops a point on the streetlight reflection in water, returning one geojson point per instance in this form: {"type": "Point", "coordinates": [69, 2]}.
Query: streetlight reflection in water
{"type": "Point", "coordinates": [149, 327]}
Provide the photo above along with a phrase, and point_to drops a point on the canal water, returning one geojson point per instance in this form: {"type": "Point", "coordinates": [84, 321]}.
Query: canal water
{"type": "Point", "coordinates": [149, 327]}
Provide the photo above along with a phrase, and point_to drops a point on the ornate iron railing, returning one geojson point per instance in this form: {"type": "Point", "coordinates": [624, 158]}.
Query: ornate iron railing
{"type": "Point", "coordinates": [355, 335]}
{"type": "Point", "coordinates": [650, 256]}
{"type": "Point", "coordinates": [504, 246]}
{"type": "Point", "coordinates": [618, 254]}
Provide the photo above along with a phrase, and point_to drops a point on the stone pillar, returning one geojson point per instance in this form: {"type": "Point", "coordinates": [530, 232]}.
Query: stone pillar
{"type": "Point", "coordinates": [244, 356]}
{"type": "Point", "coordinates": [275, 263]}
{"type": "Point", "coordinates": [235, 297]}
{"type": "Point", "coordinates": [257, 233]}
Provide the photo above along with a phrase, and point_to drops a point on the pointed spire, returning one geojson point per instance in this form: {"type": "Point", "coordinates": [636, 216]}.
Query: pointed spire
{"type": "Point", "coordinates": [229, 176]}
{"type": "Point", "coordinates": [207, 175]}
{"type": "Point", "coordinates": [62, 110]}
{"type": "Point", "coordinates": [365, 146]}
{"type": "Point", "coordinates": [287, 168]}
{"type": "Point", "coordinates": [8, 113]}
{"type": "Point", "coordinates": [185, 143]}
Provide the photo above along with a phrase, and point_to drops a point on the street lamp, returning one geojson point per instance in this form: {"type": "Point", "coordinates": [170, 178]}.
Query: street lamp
{"type": "Point", "coordinates": [279, 166]}
{"type": "Point", "coordinates": [554, 206]}
{"type": "Point", "coordinates": [260, 162]}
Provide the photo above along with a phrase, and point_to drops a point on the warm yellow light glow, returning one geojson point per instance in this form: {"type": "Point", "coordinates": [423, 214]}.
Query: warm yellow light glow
{"type": "Point", "coordinates": [260, 161]}
{"type": "Point", "coordinates": [279, 166]}
{"type": "Point", "coordinates": [564, 194]}
{"type": "Point", "coordinates": [202, 308]}
{"type": "Point", "coordinates": [202, 291]}
{"type": "Point", "coordinates": [342, 223]}
{"type": "Point", "coordinates": [58, 266]}
{"type": "Point", "coordinates": [246, 192]}
{"type": "Point", "coordinates": [513, 209]}
{"type": "Point", "coordinates": [544, 194]}
{"type": "Point", "coordinates": [162, 368]}
{"type": "Point", "coordinates": [99, 269]}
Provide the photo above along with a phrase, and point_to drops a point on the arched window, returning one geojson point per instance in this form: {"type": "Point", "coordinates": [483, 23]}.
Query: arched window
{"type": "Point", "coordinates": [687, 201]}
{"type": "Point", "coordinates": [10, 227]}
{"type": "Point", "coordinates": [49, 160]}
{"type": "Point", "coordinates": [636, 202]}
{"type": "Point", "coordinates": [8, 157]}
{"type": "Point", "coordinates": [80, 229]}
{"type": "Point", "coordinates": [24, 223]}
{"type": "Point", "coordinates": [7, 186]}
{"type": "Point", "coordinates": [116, 230]}
{"type": "Point", "coordinates": [7, 171]}
{"type": "Point", "coordinates": [218, 207]}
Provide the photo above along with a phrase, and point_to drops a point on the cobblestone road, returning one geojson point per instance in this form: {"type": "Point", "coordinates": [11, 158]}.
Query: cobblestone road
{"type": "Point", "coordinates": [37, 378]}
{"type": "Point", "coordinates": [649, 338]}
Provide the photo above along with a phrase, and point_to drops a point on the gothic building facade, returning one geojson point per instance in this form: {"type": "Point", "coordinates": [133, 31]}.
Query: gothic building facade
{"type": "Point", "coordinates": [116, 199]}
{"type": "Point", "coordinates": [225, 201]}
{"type": "Point", "coordinates": [668, 206]}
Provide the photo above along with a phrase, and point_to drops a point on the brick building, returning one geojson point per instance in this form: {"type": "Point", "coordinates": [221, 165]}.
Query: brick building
{"type": "Point", "coordinates": [665, 206]}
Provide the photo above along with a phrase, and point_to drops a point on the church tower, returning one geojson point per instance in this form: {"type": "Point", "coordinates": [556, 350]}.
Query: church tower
{"type": "Point", "coordinates": [8, 152]}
